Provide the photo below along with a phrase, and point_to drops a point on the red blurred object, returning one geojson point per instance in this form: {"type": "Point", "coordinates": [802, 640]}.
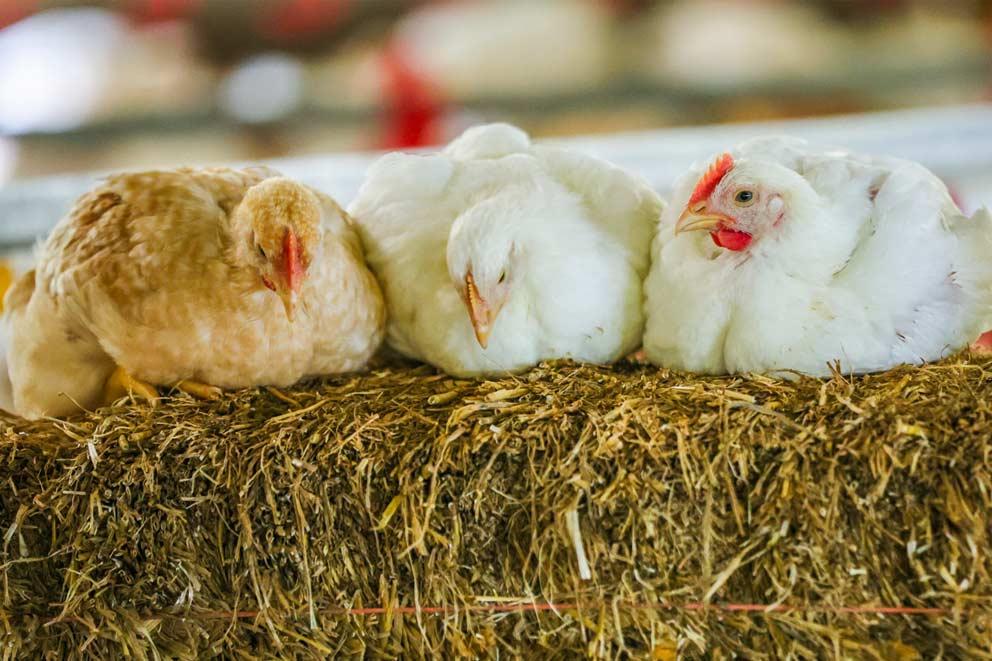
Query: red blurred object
{"type": "Point", "coordinates": [295, 18]}
{"type": "Point", "coordinates": [11, 11]}
{"type": "Point", "coordinates": [983, 344]}
{"type": "Point", "coordinates": [414, 105]}
{"type": "Point", "coordinates": [955, 196]}
{"type": "Point", "coordinates": [158, 11]}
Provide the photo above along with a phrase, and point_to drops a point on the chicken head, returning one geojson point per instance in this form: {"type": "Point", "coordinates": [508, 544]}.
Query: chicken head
{"type": "Point", "coordinates": [737, 202]}
{"type": "Point", "coordinates": [280, 220]}
{"type": "Point", "coordinates": [482, 261]}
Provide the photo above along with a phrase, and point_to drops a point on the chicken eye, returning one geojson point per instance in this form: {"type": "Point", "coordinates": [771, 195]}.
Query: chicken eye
{"type": "Point", "coordinates": [744, 198]}
{"type": "Point", "coordinates": [502, 277]}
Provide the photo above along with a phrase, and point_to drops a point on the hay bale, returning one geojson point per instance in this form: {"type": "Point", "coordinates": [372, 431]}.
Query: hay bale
{"type": "Point", "coordinates": [404, 513]}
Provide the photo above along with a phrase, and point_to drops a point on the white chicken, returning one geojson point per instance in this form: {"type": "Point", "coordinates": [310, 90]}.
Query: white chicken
{"type": "Point", "coordinates": [504, 47]}
{"type": "Point", "coordinates": [163, 278]}
{"type": "Point", "coordinates": [756, 41]}
{"type": "Point", "coordinates": [496, 254]}
{"type": "Point", "coordinates": [808, 257]}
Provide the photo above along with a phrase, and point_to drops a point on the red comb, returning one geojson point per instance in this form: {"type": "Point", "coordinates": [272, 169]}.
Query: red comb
{"type": "Point", "coordinates": [714, 174]}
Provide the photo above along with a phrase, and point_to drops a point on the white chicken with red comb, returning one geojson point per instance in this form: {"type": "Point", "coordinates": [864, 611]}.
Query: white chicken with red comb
{"type": "Point", "coordinates": [496, 254]}
{"type": "Point", "coordinates": [777, 257]}
{"type": "Point", "coordinates": [164, 278]}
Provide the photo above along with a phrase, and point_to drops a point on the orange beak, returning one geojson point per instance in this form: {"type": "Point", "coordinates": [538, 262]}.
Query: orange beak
{"type": "Point", "coordinates": [697, 217]}
{"type": "Point", "coordinates": [478, 311]}
{"type": "Point", "coordinates": [294, 270]}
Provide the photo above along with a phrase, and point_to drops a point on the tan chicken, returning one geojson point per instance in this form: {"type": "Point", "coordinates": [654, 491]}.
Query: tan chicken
{"type": "Point", "coordinates": [198, 279]}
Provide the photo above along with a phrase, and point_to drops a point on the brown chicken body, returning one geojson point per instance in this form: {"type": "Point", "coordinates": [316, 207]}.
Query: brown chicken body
{"type": "Point", "coordinates": [230, 278]}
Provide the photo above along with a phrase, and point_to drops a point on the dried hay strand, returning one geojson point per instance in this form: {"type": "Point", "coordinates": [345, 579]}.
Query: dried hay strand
{"type": "Point", "coordinates": [572, 511]}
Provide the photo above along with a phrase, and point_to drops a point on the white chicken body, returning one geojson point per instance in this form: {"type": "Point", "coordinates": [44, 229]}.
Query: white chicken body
{"type": "Point", "coordinates": [150, 285]}
{"type": "Point", "coordinates": [563, 237]}
{"type": "Point", "coordinates": [868, 263]}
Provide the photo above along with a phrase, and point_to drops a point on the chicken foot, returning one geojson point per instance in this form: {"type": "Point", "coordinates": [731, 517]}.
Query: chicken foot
{"type": "Point", "coordinates": [199, 390]}
{"type": "Point", "coordinates": [638, 357]}
{"type": "Point", "coordinates": [6, 280]}
{"type": "Point", "coordinates": [121, 384]}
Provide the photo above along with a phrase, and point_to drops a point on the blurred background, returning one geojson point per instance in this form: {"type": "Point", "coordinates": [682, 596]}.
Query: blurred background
{"type": "Point", "coordinates": [130, 83]}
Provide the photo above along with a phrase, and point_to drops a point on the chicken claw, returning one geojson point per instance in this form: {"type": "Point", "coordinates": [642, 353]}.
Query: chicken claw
{"type": "Point", "coordinates": [121, 384]}
{"type": "Point", "coordinates": [200, 390]}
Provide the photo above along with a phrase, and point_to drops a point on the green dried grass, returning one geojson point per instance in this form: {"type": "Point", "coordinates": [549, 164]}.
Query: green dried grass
{"type": "Point", "coordinates": [242, 528]}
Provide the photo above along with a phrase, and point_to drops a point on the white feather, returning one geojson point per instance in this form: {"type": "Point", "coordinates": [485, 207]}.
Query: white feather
{"type": "Point", "coordinates": [872, 266]}
{"type": "Point", "coordinates": [574, 230]}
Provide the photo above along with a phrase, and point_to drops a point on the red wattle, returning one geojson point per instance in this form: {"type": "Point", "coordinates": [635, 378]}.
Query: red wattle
{"type": "Point", "coordinates": [731, 239]}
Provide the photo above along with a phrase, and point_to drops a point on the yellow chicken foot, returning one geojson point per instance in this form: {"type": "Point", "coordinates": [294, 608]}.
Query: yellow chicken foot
{"type": "Point", "coordinates": [200, 390]}
{"type": "Point", "coordinates": [6, 280]}
{"type": "Point", "coordinates": [121, 384]}
{"type": "Point", "coordinates": [638, 357]}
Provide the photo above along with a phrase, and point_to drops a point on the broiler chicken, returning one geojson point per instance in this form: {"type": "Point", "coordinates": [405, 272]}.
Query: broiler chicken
{"type": "Point", "coordinates": [756, 41]}
{"type": "Point", "coordinates": [781, 257]}
{"type": "Point", "coordinates": [496, 254]}
{"type": "Point", "coordinates": [201, 279]}
{"type": "Point", "coordinates": [502, 47]}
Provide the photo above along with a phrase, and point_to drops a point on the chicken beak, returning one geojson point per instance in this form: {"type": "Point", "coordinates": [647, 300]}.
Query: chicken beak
{"type": "Point", "coordinates": [697, 217]}
{"type": "Point", "coordinates": [478, 312]}
{"type": "Point", "coordinates": [294, 271]}
{"type": "Point", "coordinates": [292, 261]}
{"type": "Point", "coordinates": [289, 300]}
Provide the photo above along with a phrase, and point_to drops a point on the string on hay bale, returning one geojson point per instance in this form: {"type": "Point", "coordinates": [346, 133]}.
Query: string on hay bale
{"type": "Point", "coordinates": [573, 510]}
